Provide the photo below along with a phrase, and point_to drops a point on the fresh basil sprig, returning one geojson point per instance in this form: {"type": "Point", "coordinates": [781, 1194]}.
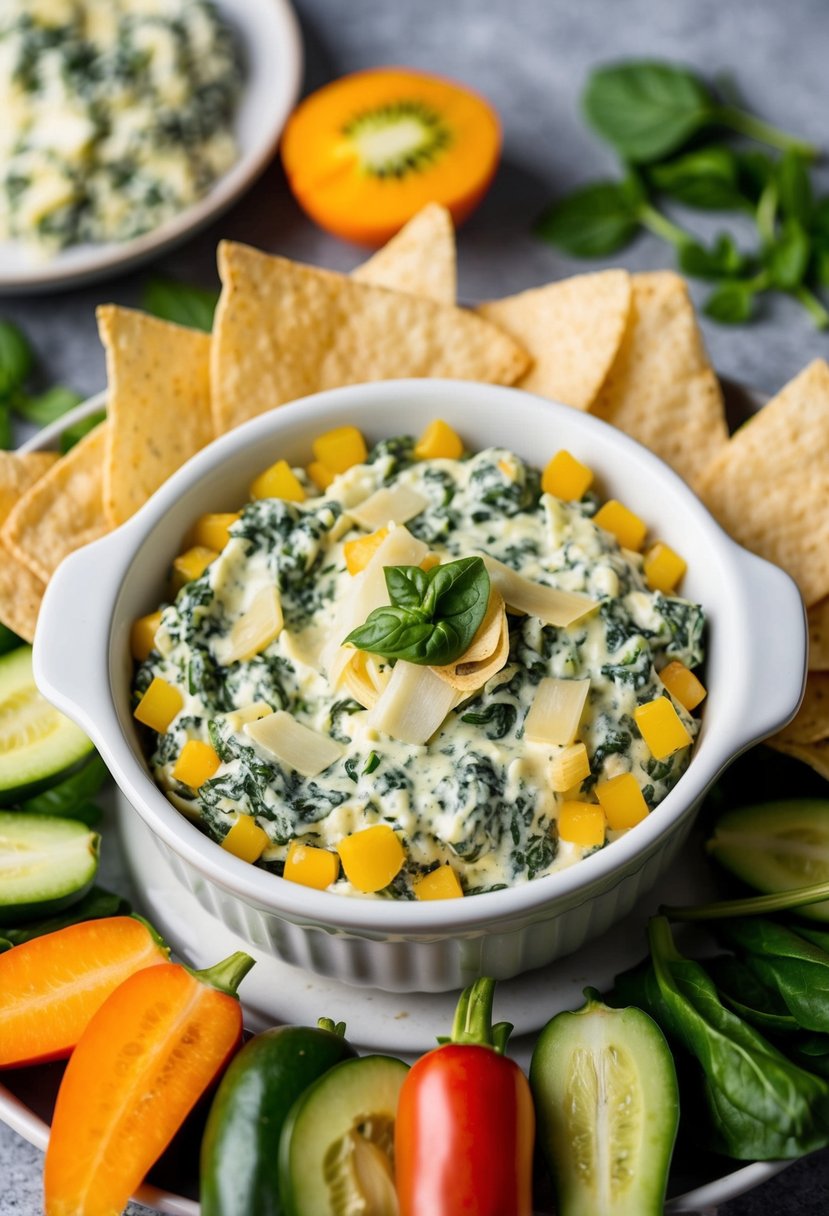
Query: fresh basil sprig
{"type": "Point", "coordinates": [433, 615]}
{"type": "Point", "coordinates": [181, 303]}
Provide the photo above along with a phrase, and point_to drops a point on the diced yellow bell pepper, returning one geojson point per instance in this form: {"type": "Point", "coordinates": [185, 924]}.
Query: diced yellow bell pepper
{"type": "Point", "coordinates": [662, 728]}
{"type": "Point", "coordinates": [320, 474]}
{"type": "Point", "coordinates": [191, 565]}
{"type": "Point", "coordinates": [567, 478]}
{"type": "Point", "coordinates": [371, 858]}
{"type": "Point", "coordinates": [279, 481]}
{"type": "Point", "coordinates": [622, 801]}
{"type": "Point", "coordinates": [430, 561]}
{"type": "Point", "coordinates": [213, 531]}
{"type": "Point", "coordinates": [340, 449]}
{"type": "Point", "coordinates": [663, 568]}
{"type": "Point", "coordinates": [442, 883]}
{"type": "Point", "coordinates": [439, 441]}
{"type": "Point", "coordinates": [358, 553]}
{"type": "Point", "coordinates": [581, 823]}
{"type": "Point", "coordinates": [310, 866]}
{"type": "Point", "coordinates": [246, 839]}
{"type": "Point", "coordinates": [683, 685]}
{"type": "Point", "coordinates": [196, 764]}
{"type": "Point", "coordinates": [570, 766]}
{"type": "Point", "coordinates": [142, 636]}
{"type": "Point", "coordinates": [159, 705]}
{"type": "Point", "coordinates": [629, 529]}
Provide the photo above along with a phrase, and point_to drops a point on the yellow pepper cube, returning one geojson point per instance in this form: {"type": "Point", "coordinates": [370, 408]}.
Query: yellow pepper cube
{"type": "Point", "coordinates": [430, 561]}
{"type": "Point", "coordinates": [662, 728]}
{"type": "Point", "coordinates": [279, 481]}
{"type": "Point", "coordinates": [159, 705]}
{"type": "Point", "coordinates": [320, 475]}
{"type": "Point", "coordinates": [581, 823]}
{"type": "Point", "coordinates": [439, 441]}
{"type": "Point", "coordinates": [196, 764]}
{"type": "Point", "coordinates": [683, 685]}
{"type": "Point", "coordinates": [340, 449]}
{"type": "Point", "coordinates": [191, 565]}
{"type": "Point", "coordinates": [213, 531]}
{"type": "Point", "coordinates": [629, 529]}
{"type": "Point", "coordinates": [142, 636]}
{"type": "Point", "coordinates": [358, 553]}
{"type": "Point", "coordinates": [371, 858]}
{"type": "Point", "coordinates": [567, 478]}
{"type": "Point", "coordinates": [569, 767]}
{"type": "Point", "coordinates": [442, 883]}
{"type": "Point", "coordinates": [310, 866]}
{"type": "Point", "coordinates": [622, 801]}
{"type": "Point", "coordinates": [663, 568]}
{"type": "Point", "coordinates": [246, 839]}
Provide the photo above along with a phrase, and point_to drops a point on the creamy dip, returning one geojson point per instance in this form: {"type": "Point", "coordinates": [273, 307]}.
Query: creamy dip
{"type": "Point", "coordinates": [478, 794]}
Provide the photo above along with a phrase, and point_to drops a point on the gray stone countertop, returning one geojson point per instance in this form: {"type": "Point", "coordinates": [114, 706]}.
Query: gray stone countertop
{"type": "Point", "coordinates": [530, 58]}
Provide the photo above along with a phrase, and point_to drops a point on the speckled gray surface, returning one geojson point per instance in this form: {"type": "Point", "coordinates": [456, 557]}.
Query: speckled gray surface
{"type": "Point", "coordinates": [530, 58]}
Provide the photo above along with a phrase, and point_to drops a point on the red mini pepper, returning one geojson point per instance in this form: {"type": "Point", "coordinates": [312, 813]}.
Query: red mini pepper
{"type": "Point", "coordinates": [465, 1122]}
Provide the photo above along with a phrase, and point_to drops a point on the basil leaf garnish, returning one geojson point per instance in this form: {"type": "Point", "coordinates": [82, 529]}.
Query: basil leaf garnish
{"type": "Point", "coordinates": [433, 615]}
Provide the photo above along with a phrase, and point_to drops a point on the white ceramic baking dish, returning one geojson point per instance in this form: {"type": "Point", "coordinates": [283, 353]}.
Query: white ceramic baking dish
{"type": "Point", "coordinates": [755, 673]}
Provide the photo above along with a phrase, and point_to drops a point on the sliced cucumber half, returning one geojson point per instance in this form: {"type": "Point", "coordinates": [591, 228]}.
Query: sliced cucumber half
{"type": "Point", "coordinates": [607, 1102]}
{"type": "Point", "coordinates": [337, 1145]}
{"type": "Point", "coordinates": [777, 846]}
{"type": "Point", "coordinates": [46, 864]}
{"type": "Point", "coordinates": [38, 745]}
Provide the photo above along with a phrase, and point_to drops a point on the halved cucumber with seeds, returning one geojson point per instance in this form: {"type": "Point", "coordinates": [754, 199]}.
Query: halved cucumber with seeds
{"type": "Point", "coordinates": [46, 864]}
{"type": "Point", "coordinates": [337, 1145]}
{"type": "Point", "coordinates": [38, 745]}
{"type": "Point", "coordinates": [607, 1103]}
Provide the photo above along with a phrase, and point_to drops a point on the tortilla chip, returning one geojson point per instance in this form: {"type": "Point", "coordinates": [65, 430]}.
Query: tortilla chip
{"type": "Point", "coordinates": [420, 260]}
{"type": "Point", "coordinates": [819, 636]}
{"type": "Point", "coordinates": [20, 595]}
{"type": "Point", "coordinates": [62, 511]}
{"type": "Point", "coordinates": [158, 404]}
{"type": "Point", "coordinates": [769, 486]}
{"type": "Point", "coordinates": [573, 330]}
{"type": "Point", "coordinates": [284, 330]}
{"type": "Point", "coordinates": [811, 723]}
{"type": "Point", "coordinates": [816, 755]}
{"type": "Point", "coordinates": [661, 388]}
{"type": "Point", "coordinates": [18, 471]}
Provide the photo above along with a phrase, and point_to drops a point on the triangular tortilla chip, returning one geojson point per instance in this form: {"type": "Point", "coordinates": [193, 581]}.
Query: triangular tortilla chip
{"type": "Point", "coordinates": [18, 471]}
{"type": "Point", "coordinates": [819, 636]}
{"type": "Point", "coordinates": [20, 595]}
{"type": "Point", "coordinates": [420, 260]}
{"type": "Point", "coordinates": [661, 388]}
{"type": "Point", "coordinates": [573, 330]}
{"type": "Point", "coordinates": [769, 486]}
{"type": "Point", "coordinates": [811, 722]}
{"type": "Point", "coordinates": [61, 512]}
{"type": "Point", "coordinates": [158, 403]}
{"type": "Point", "coordinates": [284, 330]}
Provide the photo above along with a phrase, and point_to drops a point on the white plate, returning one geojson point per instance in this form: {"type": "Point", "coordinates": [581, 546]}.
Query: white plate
{"type": "Point", "coordinates": [387, 1022]}
{"type": "Point", "coordinates": [269, 36]}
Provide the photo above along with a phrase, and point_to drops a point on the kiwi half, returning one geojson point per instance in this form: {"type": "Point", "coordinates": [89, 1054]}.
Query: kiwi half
{"type": "Point", "coordinates": [393, 140]}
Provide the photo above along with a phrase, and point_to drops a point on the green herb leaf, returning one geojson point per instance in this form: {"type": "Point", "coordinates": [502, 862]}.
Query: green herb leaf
{"type": "Point", "coordinates": [75, 792]}
{"type": "Point", "coordinates": [646, 109]}
{"type": "Point", "coordinates": [786, 260]}
{"type": "Point", "coordinates": [75, 433]}
{"type": "Point", "coordinates": [593, 222]}
{"type": "Point", "coordinates": [796, 969]}
{"type": "Point", "coordinates": [15, 359]}
{"type": "Point", "coordinates": [795, 188]}
{"type": "Point", "coordinates": [52, 404]}
{"type": "Point", "coordinates": [723, 260]}
{"type": "Point", "coordinates": [433, 616]}
{"type": "Point", "coordinates": [6, 432]}
{"type": "Point", "coordinates": [755, 170]}
{"type": "Point", "coordinates": [707, 178]}
{"type": "Point", "coordinates": [731, 303]}
{"type": "Point", "coordinates": [180, 303]}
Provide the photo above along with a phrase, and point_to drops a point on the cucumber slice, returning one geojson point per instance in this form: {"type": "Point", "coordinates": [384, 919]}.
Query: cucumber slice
{"type": "Point", "coordinates": [46, 864]}
{"type": "Point", "coordinates": [776, 846]}
{"type": "Point", "coordinates": [38, 745]}
{"type": "Point", "coordinates": [336, 1148]}
{"type": "Point", "coordinates": [607, 1103]}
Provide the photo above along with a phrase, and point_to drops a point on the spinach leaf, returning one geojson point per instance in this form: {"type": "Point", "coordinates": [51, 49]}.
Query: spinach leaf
{"type": "Point", "coordinates": [75, 433]}
{"type": "Point", "coordinates": [15, 359]}
{"type": "Point", "coordinates": [180, 303]}
{"type": "Point", "coordinates": [71, 795]}
{"type": "Point", "coordinates": [708, 178]}
{"type": "Point", "coordinates": [794, 968]}
{"type": "Point", "coordinates": [592, 222]}
{"type": "Point", "coordinates": [433, 616]}
{"type": "Point", "coordinates": [743, 992]}
{"type": "Point", "coordinates": [498, 719]}
{"type": "Point", "coordinates": [95, 905]}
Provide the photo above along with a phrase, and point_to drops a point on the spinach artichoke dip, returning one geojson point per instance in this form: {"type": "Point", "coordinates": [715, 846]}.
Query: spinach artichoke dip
{"type": "Point", "coordinates": [116, 115]}
{"type": "Point", "coordinates": [515, 692]}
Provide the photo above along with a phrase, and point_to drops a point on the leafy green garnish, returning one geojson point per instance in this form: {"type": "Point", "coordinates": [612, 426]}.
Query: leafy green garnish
{"type": "Point", "coordinates": [75, 433]}
{"type": "Point", "coordinates": [16, 365]}
{"type": "Point", "coordinates": [65, 799]}
{"type": "Point", "coordinates": [180, 303]}
{"type": "Point", "coordinates": [15, 359]}
{"type": "Point", "coordinates": [433, 615]}
{"type": "Point", "coordinates": [48, 406]}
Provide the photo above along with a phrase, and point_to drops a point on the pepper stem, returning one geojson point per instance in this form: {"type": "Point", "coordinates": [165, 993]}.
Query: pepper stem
{"type": "Point", "coordinates": [153, 932]}
{"type": "Point", "coordinates": [473, 1018]}
{"type": "Point", "coordinates": [227, 975]}
{"type": "Point", "coordinates": [331, 1026]}
{"type": "Point", "coordinates": [753, 905]}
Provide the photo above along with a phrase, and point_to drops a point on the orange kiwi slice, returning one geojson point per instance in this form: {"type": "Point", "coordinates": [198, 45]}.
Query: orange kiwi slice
{"type": "Point", "coordinates": [367, 152]}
